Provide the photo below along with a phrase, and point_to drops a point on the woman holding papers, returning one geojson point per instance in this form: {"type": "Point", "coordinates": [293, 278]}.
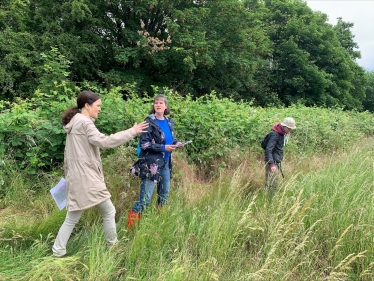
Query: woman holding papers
{"type": "Point", "coordinates": [85, 186]}
{"type": "Point", "coordinates": [154, 163]}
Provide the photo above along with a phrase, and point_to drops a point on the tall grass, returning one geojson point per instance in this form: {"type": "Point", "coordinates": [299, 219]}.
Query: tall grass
{"type": "Point", "coordinates": [319, 226]}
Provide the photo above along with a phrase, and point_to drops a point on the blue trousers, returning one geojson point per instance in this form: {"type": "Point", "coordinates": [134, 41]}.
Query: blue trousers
{"type": "Point", "coordinates": [147, 188]}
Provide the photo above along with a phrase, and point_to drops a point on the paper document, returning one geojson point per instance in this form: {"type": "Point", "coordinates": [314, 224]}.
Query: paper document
{"type": "Point", "coordinates": [59, 193]}
{"type": "Point", "coordinates": [184, 143]}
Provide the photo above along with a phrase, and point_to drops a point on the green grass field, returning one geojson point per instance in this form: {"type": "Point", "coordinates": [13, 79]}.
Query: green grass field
{"type": "Point", "coordinates": [319, 226]}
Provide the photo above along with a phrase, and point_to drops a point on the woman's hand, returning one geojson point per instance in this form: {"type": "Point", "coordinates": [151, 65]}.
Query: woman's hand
{"type": "Point", "coordinates": [179, 145]}
{"type": "Point", "coordinates": [140, 128]}
{"type": "Point", "coordinates": [170, 147]}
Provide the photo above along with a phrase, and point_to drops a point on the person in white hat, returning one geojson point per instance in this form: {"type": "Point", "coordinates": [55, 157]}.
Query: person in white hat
{"type": "Point", "coordinates": [273, 146]}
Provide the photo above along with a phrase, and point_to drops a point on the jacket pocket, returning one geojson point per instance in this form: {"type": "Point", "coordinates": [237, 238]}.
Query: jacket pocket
{"type": "Point", "coordinates": [93, 169]}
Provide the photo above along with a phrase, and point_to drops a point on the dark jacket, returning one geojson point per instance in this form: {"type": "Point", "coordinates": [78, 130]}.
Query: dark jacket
{"type": "Point", "coordinates": [151, 158]}
{"type": "Point", "coordinates": [275, 145]}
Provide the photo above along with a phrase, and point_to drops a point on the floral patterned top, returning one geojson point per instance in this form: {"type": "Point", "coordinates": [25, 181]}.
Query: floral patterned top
{"type": "Point", "coordinates": [151, 158]}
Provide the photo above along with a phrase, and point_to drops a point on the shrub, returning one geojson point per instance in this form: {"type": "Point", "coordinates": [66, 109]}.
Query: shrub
{"type": "Point", "coordinates": [31, 130]}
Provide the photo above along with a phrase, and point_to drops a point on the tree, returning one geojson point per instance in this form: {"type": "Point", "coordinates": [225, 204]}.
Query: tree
{"type": "Point", "coordinates": [77, 29]}
{"type": "Point", "coordinates": [309, 63]}
{"type": "Point", "coordinates": [369, 100]}
{"type": "Point", "coordinates": [275, 52]}
{"type": "Point", "coordinates": [345, 37]}
{"type": "Point", "coordinates": [233, 50]}
{"type": "Point", "coordinates": [18, 54]}
{"type": "Point", "coordinates": [208, 45]}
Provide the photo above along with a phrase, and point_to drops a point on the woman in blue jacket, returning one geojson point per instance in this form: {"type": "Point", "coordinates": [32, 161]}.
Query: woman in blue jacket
{"type": "Point", "coordinates": [154, 163]}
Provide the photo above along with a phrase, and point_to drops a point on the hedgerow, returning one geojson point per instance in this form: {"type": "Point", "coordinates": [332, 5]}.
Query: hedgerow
{"type": "Point", "coordinates": [32, 135]}
{"type": "Point", "coordinates": [31, 130]}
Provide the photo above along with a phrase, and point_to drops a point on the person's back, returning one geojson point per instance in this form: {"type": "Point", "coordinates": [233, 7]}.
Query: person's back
{"type": "Point", "coordinates": [83, 167]}
{"type": "Point", "coordinates": [275, 145]}
{"type": "Point", "coordinates": [77, 145]}
{"type": "Point", "coordinates": [85, 185]}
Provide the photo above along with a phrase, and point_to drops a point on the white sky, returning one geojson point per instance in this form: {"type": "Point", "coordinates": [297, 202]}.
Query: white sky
{"type": "Point", "coordinates": [358, 12]}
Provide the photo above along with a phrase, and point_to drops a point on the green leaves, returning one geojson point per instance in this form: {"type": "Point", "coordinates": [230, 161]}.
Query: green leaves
{"type": "Point", "coordinates": [369, 91]}
{"type": "Point", "coordinates": [31, 130]}
{"type": "Point", "coordinates": [312, 61]}
{"type": "Point", "coordinates": [273, 53]}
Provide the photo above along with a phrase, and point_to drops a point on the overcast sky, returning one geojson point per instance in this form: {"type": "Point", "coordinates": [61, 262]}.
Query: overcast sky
{"type": "Point", "coordinates": [358, 12]}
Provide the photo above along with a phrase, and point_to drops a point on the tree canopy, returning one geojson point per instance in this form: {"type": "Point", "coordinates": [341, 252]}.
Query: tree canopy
{"type": "Point", "coordinates": [274, 52]}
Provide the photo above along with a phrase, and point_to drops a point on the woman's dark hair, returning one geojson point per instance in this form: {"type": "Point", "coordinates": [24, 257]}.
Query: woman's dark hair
{"type": "Point", "coordinates": [167, 110]}
{"type": "Point", "coordinates": [83, 98]}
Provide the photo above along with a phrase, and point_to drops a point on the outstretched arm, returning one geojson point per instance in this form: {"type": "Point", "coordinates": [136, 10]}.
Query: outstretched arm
{"type": "Point", "coordinates": [101, 140]}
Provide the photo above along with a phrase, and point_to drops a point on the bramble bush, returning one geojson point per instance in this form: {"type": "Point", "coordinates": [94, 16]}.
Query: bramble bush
{"type": "Point", "coordinates": [31, 132]}
{"type": "Point", "coordinates": [31, 129]}
{"type": "Point", "coordinates": [216, 126]}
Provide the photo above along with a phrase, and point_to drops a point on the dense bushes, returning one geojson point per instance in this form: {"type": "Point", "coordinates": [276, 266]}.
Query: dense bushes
{"type": "Point", "coordinates": [31, 130]}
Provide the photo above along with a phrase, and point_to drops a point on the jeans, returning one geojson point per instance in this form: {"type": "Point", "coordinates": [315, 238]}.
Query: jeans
{"type": "Point", "coordinates": [108, 212]}
{"type": "Point", "coordinates": [147, 187]}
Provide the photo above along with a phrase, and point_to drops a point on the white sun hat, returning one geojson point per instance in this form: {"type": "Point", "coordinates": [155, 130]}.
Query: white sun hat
{"type": "Point", "coordinates": [289, 123]}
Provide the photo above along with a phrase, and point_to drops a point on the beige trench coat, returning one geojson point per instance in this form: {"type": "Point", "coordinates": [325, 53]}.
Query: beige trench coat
{"type": "Point", "coordinates": [85, 186]}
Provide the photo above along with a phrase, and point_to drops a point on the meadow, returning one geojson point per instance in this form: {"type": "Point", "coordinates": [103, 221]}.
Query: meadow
{"type": "Point", "coordinates": [319, 226]}
{"type": "Point", "coordinates": [220, 224]}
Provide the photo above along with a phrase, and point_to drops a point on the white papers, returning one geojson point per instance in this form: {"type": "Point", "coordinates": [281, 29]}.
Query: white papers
{"type": "Point", "coordinates": [59, 193]}
{"type": "Point", "coordinates": [184, 143]}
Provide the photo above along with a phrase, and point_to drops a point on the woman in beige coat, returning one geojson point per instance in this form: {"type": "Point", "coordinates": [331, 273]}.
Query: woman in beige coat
{"type": "Point", "coordinates": [85, 186]}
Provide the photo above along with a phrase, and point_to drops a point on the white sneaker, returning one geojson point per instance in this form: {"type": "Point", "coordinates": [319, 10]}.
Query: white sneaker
{"type": "Point", "coordinates": [57, 255]}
